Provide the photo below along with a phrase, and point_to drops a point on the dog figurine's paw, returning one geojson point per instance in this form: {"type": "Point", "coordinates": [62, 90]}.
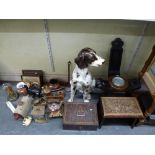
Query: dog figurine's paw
{"type": "Point", "coordinates": [89, 97]}
{"type": "Point", "coordinates": [86, 101]}
{"type": "Point", "coordinates": [70, 100]}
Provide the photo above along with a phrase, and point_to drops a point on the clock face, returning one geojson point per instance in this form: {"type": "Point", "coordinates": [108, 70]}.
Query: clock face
{"type": "Point", "coordinates": [118, 81]}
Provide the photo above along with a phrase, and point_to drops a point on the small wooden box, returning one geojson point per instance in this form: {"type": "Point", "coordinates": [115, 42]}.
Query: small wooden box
{"type": "Point", "coordinates": [33, 76]}
{"type": "Point", "coordinates": [80, 116]}
{"type": "Point", "coordinates": [38, 111]}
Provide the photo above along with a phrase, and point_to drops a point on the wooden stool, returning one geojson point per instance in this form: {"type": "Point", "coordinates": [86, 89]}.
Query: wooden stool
{"type": "Point", "coordinates": [119, 107]}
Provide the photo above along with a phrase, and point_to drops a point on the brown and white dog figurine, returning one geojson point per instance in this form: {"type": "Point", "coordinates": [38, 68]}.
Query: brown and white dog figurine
{"type": "Point", "coordinates": [82, 79]}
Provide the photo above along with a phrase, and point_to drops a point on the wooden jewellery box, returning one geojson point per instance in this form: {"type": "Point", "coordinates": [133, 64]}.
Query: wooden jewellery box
{"type": "Point", "coordinates": [80, 116]}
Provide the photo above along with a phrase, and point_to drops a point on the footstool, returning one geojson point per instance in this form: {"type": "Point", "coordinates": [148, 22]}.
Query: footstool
{"type": "Point", "coordinates": [119, 107]}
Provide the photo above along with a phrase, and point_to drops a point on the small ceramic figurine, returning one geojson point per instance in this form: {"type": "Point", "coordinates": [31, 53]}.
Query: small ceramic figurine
{"type": "Point", "coordinates": [54, 84]}
{"type": "Point", "coordinates": [12, 95]}
{"type": "Point", "coordinates": [46, 90]}
{"type": "Point", "coordinates": [22, 88]}
{"type": "Point", "coordinates": [34, 90]}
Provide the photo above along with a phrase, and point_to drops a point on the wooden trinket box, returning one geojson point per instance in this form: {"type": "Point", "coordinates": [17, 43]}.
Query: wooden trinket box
{"type": "Point", "coordinates": [80, 116]}
{"type": "Point", "coordinates": [38, 111]}
{"type": "Point", "coordinates": [34, 76]}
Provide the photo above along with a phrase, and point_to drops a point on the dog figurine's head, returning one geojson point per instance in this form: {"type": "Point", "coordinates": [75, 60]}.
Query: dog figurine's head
{"type": "Point", "coordinates": [88, 56]}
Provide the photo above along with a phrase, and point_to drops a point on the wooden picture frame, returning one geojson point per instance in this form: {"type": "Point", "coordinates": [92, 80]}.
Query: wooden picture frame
{"type": "Point", "coordinates": [34, 76]}
{"type": "Point", "coordinates": [33, 79]}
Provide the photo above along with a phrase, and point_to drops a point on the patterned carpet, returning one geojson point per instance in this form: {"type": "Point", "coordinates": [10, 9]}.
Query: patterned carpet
{"type": "Point", "coordinates": [10, 126]}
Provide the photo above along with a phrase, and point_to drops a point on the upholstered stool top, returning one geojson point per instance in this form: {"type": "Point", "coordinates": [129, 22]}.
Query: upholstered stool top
{"type": "Point", "coordinates": [121, 107]}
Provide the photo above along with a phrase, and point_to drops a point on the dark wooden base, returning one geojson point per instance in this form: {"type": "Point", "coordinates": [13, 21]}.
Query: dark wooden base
{"type": "Point", "coordinates": [80, 127]}
{"type": "Point", "coordinates": [118, 121]}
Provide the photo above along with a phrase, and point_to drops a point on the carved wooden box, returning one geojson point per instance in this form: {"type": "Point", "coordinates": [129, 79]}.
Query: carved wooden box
{"type": "Point", "coordinates": [80, 116]}
{"type": "Point", "coordinates": [38, 111]}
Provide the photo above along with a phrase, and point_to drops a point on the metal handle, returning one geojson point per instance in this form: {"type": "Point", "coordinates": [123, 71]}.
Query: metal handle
{"type": "Point", "coordinates": [80, 114]}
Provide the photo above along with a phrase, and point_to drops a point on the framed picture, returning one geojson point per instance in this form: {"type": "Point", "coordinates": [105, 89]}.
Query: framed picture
{"type": "Point", "coordinates": [34, 76]}
{"type": "Point", "coordinates": [32, 79]}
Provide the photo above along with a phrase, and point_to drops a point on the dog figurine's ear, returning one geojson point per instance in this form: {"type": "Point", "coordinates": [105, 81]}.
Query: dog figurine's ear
{"type": "Point", "coordinates": [80, 61]}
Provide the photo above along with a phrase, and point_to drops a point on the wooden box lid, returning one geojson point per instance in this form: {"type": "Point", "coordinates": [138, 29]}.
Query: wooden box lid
{"type": "Point", "coordinates": [80, 114]}
{"type": "Point", "coordinates": [38, 110]}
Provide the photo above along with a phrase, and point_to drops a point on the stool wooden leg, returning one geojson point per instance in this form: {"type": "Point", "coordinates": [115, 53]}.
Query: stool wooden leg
{"type": "Point", "coordinates": [134, 123]}
{"type": "Point", "coordinates": [101, 120]}
{"type": "Point", "coordinates": [100, 114]}
{"type": "Point", "coordinates": [100, 124]}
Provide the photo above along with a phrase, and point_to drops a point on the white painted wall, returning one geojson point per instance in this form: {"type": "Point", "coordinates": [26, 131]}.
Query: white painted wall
{"type": "Point", "coordinates": [23, 45]}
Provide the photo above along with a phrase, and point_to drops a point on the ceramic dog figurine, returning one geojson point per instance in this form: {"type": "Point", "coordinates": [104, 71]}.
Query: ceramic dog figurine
{"type": "Point", "coordinates": [82, 79]}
